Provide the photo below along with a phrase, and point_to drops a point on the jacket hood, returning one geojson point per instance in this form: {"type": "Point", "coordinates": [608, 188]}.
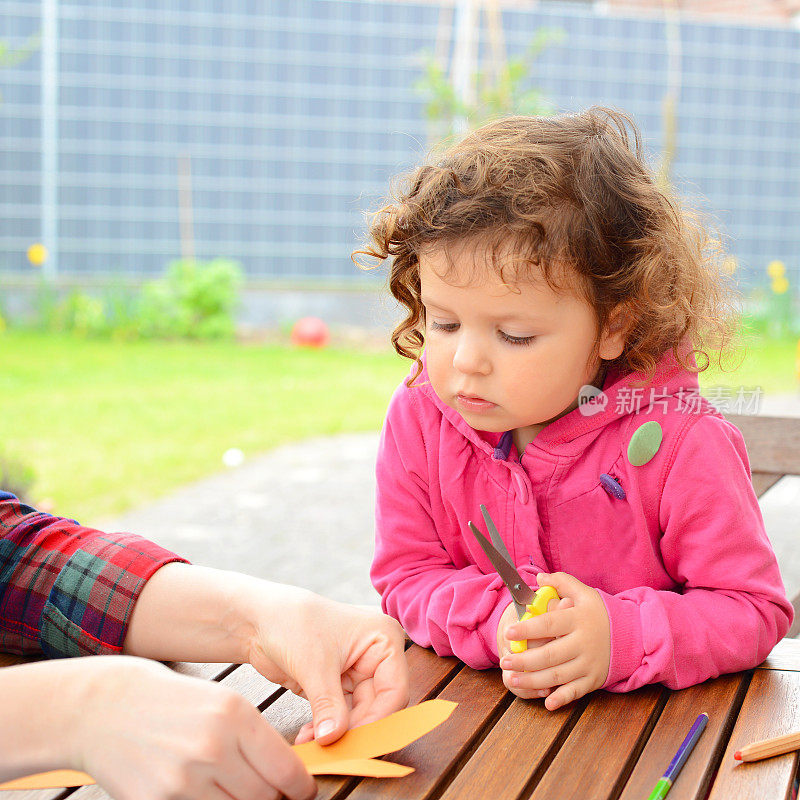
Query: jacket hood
{"type": "Point", "coordinates": [626, 394]}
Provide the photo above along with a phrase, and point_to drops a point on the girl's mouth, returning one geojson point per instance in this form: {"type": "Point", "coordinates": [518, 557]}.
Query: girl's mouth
{"type": "Point", "coordinates": [472, 403]}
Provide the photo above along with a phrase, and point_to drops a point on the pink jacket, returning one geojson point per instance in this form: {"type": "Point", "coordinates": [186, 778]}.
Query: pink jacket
{"type": "Point", "coordinates": [683, 564]}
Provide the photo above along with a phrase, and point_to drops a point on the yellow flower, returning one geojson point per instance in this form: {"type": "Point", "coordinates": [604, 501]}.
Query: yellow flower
{"type": "Point", "coordinates": [780, 285]}
{"type": "Point", "coordinates": [37, 254]}
{"type": "Point", "coordinates": [776, 269]}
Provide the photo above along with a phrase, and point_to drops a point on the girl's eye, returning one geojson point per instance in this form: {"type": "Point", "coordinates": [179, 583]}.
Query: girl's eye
{"type": "Point", "coordinates": [447, 327]}
{"type": "Point", "coordinates": [521, 340]}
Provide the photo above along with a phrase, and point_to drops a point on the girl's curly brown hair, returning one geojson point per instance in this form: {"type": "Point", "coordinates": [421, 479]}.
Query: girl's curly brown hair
{"type": "Point", "coordinates": [565, 190]}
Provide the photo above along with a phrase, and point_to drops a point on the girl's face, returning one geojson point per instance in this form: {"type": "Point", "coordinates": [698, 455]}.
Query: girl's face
{"type": "Point", "coordinates": [505, 357]}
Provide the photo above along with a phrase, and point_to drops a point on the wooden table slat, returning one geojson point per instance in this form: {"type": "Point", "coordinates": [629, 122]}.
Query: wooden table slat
{"type": "Point", "coordinates": [773, 443]}
{"type": "Point", "coordinates": [252, 685]}
{"type": "Point", "coordinates": [785, 656]}
{"type": "Point", "coordinates": [772, 777]}
{"type": "Point", "coordinates": [721, 700]}
{"type": "Point", "coordinates": [93, 792]}
{"type": "Point", "coordinates": [520, 745]}
{"type": "Point", "coordinates": [209, 672]}
{"type": "Point", "coordinates": [605, 747]}
{"type": "Point", "coordinates": [38, 794]}
{"type": "Point", "coordinates": [764, 480]}
{"type": "Point", "coordinates": [602, 747]}
{"type": "Point", "coordinates": [481, 696]}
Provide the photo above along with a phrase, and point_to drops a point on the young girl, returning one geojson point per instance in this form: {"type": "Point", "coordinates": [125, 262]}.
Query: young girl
{"type": "Point", "coordinates": [538, 261]}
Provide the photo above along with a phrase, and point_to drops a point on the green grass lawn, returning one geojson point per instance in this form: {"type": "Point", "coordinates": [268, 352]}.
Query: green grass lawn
{"type": "Point", "coordinates": [768, 364]}
{"type": "Point", "coordinates": [108, 425]}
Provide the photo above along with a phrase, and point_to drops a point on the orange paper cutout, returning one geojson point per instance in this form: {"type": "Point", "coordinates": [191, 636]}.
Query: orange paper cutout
{"type": "Point", "coordinates": [362, 767]}
{"type": "Point", "coordinates": [353, 754]}
{"type": "Point", "coordinates": [55, 779]}
{"type": "Point", "coordinates": [379, 738]}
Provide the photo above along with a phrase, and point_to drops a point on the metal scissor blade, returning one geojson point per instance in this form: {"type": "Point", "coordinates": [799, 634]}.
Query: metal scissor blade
{"type": "Point", "coordinates": [497, 541]}
{"type": "Point", "coordinates": [521, 593]}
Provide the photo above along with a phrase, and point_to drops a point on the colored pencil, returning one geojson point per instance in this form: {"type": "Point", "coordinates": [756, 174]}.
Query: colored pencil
{"type": "Point", "coordinates": [769, 747]}
{"type": "Point", "coordinates": [684, 751]}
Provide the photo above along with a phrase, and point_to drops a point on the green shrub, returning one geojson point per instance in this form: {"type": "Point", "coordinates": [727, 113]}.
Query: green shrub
{"type": "Point", "coordinates": [195, 300]}
{"type": "Point", "coordinates": [121, 310]}
{"type": "Point", "coordinates": [46, 305]}
{"type": "Point", "coordinates": [82, 314]}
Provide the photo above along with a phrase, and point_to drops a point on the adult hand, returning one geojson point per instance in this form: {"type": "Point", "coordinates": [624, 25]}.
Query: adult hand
{"type": "Point", "coordinates": [145, 731]}
{"type": "Point", "coordinates": [577, 657]}
{"type": "Point", "coordinates": [348, 661]}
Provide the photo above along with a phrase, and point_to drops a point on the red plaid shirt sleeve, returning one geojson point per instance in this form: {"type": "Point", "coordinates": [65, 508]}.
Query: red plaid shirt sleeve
{"type": "Point", "coordinates": [67, 590]}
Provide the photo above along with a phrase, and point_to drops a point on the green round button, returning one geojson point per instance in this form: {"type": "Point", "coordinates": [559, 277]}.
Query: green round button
{"type": "Point", "coordinates": [644, 443]}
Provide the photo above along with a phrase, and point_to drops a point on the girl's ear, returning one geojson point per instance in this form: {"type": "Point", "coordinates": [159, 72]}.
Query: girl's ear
{"type": "Point", "coordinates": [612, 343]}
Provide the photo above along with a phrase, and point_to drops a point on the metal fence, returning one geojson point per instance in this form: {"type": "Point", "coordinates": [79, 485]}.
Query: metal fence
{"type": "Point", "coordinates": [286, 120]}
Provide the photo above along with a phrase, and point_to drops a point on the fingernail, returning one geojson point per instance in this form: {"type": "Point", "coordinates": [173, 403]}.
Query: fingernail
{"type": "Point", "coordinates": [325, 727]}
{"type": "Point", "coordinates": [505, 663]}
{"type": "Point", "coordinates": [512, 633]}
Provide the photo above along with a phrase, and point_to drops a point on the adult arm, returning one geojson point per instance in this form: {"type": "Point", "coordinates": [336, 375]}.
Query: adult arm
{"type": "Point", "coordinates": [348, 661]}
{"type": "Point", "coordinates": [141, 730]}
{"type": "Point", "coordinates": [68, 590]}
{"type": "Point", "coordinates": [65, 589]}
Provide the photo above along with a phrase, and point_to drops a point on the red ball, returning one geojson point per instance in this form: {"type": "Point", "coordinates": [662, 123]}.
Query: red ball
{"type": "Point", "coordinates": [310, 332]}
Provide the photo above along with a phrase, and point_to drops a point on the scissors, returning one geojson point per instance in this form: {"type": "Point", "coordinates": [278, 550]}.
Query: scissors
{"type": "Point", "coordinates": [529, 603]}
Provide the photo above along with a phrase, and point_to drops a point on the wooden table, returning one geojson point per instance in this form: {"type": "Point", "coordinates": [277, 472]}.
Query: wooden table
{"type": "Point", "coordinates": [604, 746]}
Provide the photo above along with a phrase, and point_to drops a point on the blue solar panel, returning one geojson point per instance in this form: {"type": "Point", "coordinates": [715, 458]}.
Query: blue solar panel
{"type": "Point", "coordinates": [295, 114]}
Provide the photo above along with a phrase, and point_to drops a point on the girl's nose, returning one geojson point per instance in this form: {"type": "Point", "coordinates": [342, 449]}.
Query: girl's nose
{"type": "Point", "coordinates": [470, 356]}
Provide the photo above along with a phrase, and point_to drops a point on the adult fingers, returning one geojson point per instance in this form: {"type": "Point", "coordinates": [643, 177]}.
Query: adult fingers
{"type": "Point", "coordinates": [270, 756]}
{"type": "Point", "coordinates": [323, 689]}
{"type": "Point", "coordinates": [242, 781]}
{"type": "Point", "coordinates": [386, 692]}
{"type": "Point", "coordinates": [230, 789]}
{"type": "Point", "coordinates": [305, 734]}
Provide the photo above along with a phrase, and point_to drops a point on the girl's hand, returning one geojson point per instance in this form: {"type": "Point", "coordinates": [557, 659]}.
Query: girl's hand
{"type": "Point", "coordinates": [577, 656]}
{"type": "Point", "coordinates": [144, 731]}
{"type": "Point", "coordinates": [348, 661]}
{"type": "Point", "coordinates": [509, 618]}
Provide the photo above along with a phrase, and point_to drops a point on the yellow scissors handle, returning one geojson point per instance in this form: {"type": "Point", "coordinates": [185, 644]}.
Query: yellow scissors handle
{"type": "Point", "coordinates": [539, 605]}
